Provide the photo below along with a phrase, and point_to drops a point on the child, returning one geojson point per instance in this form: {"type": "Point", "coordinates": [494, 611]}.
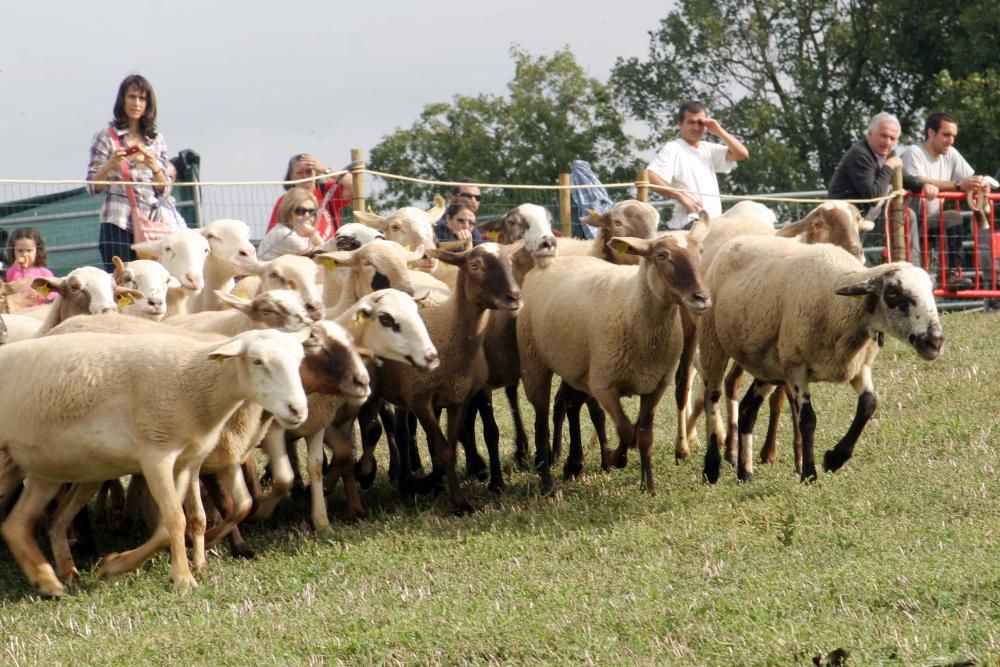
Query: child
{"type": "Point", "coordinates": [295, 232]}
{"type": "Point", "coordinates": [27, 259]}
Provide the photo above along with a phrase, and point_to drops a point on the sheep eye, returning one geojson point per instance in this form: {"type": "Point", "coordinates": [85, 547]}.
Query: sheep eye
{"type": "Point", "coordinates": [274, 276]}
{"type": "Point", "coordinates": [386, 320]}
{"type": "Point", "coordinates": [395, 228]}
{"type": "Point", "coordinates": [291, 284]}
{"type": "Point", "coordinates": [366, 263]}
{"type": "Point", "coordinates": [258, 362]}
{"type": "Point", "coordinates": [891, 296]}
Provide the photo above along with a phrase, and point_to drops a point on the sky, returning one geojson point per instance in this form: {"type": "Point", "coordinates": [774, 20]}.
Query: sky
{"type": "Point", "coordinates": [247, 84]}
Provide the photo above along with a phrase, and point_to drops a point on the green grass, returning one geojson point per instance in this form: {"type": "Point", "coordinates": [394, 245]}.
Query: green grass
{"type": "Point", "coordinates": [895, 558]}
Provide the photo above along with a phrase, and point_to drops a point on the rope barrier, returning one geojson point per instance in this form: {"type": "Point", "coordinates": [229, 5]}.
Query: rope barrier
{"type": "Point", "coordinates": [425, 181]}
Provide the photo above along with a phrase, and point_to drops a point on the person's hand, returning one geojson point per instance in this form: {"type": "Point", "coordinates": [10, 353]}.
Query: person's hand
{"type": "Point", "coordinates": [712, 126]}
{"type": "Point", "coordinates": [974, 183]}
{"type": "Point", "coordinates": [894, 162]}
{"type": "Point", "coordinates": [692, 205]}
{"type": "Point", "coordinates": [465, 235]}
{"type": "Point", "coordinates": [115, 159]}
{"type": "Point", "coordinates": [930, 191]}
{"type": "Point", "coordinates": [314, 165]}
{"type": "Point", "coordinates": [22, 261]}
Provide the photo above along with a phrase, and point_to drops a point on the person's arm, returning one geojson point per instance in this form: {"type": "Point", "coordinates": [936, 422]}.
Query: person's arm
{"type": "Point", "coordinates": [657, 184]}
{"type": "Point", "coordinates": [104, 159]}
{"type": "Point", "coordinates": [867, 178]}
{"type": "Point", "coordinates": [737, 151]}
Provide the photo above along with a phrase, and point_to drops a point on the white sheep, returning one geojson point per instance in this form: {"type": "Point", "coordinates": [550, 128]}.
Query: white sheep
{"type": "Point", "coordinates": [183, 253]}
{"type": "Point", "coordinates": [779, 311]}
{"type": "Point", "coordinates": [94, 417]}
{"type": "Point", "coordinates": [409, 227]}
{"type": "Point", "coordinates": [627, 340]}
{"type": "Point", "coordinates": [228, 242]}
{"type": "Point", "coordinates": [625, 218]}
{"type": "Point", "coordinates": [351, 274]}
{"type": "Point", "coordinates": [149, 278]}
{"type": "Point", "coordinates": [275, 309]}
{"type": "Point", "coordinates": [86, 290]}
{"type": "Point", "coordinates": [351, 236]}
{"type": "Point", "coordinates": [292, 272]}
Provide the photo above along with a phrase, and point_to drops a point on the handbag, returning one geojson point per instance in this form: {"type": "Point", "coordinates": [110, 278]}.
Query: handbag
{"type": "Point", "coordinates": [144, 227]}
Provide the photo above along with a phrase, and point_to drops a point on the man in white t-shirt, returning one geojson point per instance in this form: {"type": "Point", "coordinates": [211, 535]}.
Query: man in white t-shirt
{"type": "Point", "coordinates": [937, 161]}
{"type": "Point", "coordinates": [685, 168]}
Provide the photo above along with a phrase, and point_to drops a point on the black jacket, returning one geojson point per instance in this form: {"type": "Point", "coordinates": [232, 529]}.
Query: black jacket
{"type": "Point", "coordinates": [858, 176]}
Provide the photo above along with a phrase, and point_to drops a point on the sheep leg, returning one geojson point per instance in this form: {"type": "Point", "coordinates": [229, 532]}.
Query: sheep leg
{"type": "Point", "coordinates": [610, 400]}
{"type": "Point", "coordinates": [749, 409]}
{"type": "Point", "coordinates": [235, 503]}
{"type": "Point", "coordinates": [867, 402]}
{"type": "Point", "coordinates": [769, 452]}
{"type": "Point", "coordinates": [491, 434]}
{"type": "Point", "coordinates": [320, 519]}
{"type": "Point", "coordinates": [281, 471]}
{"type": "Point", "coordinates": [338, 439]}
{"type": "Point", "coordinates": [110, 506]}
{"type": "Point", "coordinates": [682, 386]}
{"type": "Point", "coordinates": [644, 436]}
{"type": "Point", "coordinates": [713, 368]}
{"type": "Point", "coordinates": [806, 417]}
{"type": "Point", "coordinates": [196, 522]}
{"type": "Point", "coordinates": [69, 507]}
{"type": "Point", "coordinates": [166, 488]}
{"type": "Point", "coordinates": [474, 464]}
{"type": "Point", "coordinates": [371, 431]}
{"type": "Point", "coordinates": [572, 401]}
{"type": "Point", "coordinates": [10, 482]}
{"type": "Point", "coordinates": [599, 419]}
{"type": "Point", "coordinates": [444, 449]}
{"type": "Point", "coordinates": [252, 481]}
{"type": "Point", "coordinates": [733, 380]}
{"type": "Point", "coordinates": [559, 409]}
{"type": "Point", "coordinates": [18, 530]}
{"type": "Point", "coordinates": [520, 435]}
{"type": "Point", "coordinates": [298, 487]}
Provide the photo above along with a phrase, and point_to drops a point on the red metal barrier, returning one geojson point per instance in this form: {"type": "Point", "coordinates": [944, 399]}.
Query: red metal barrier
{"type": "Point", "coordinates": [985, 246]}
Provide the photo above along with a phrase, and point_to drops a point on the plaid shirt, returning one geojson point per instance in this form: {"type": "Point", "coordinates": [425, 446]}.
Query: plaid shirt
{"type": "Point", "coordinates": [116, 209]}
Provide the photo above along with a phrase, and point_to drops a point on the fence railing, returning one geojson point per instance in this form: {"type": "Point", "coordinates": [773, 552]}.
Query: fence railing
{"type": "Point", "coordinates": [68, 219]}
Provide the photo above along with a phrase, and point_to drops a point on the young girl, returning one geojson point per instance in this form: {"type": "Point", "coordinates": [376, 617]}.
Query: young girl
{"type": "Point", "coordinates": [27, 258]}
{"type": "Point", "coordinates": [295, 232]}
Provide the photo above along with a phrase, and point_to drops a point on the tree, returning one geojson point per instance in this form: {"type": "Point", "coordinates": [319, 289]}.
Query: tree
{"type": "Point", "coordinates": [553, 114]}
{"type": "Point", "coordinates": [798, 80]}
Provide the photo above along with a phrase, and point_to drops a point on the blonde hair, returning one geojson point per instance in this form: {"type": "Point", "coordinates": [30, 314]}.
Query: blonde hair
{"type": "Point", "coordinates": [293, 199]}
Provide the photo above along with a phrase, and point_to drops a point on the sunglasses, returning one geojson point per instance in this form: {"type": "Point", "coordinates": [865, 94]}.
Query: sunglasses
{"type": "Point", "coordinates": [308, 212]}
{"type": "Point", "coordinates": [470, 196]}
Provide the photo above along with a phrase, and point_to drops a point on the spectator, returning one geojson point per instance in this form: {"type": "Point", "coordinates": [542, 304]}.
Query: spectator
{"type": "Point", "coordinates": [938, 162]}
{"type": "Point", "coordinates": [136, 142]}
{"type": "Point", "coordinates": [690, 164]}
{"type": "Point", "coordinates": [306, 166]}
{"type": "Point", "coordinates": [27, 258]}
{"type": "Point", "coordinates": [469, 194]}
{"type": "Point", "coordinates": [459, 224]}
{"type": "Point", "coordinates": [296, 233]}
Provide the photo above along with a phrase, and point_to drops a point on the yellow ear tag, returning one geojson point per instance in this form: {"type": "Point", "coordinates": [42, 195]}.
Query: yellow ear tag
{"type": "Point", "coordinates": [359, 317]}
{"type": "Point", "coordinates": [329, 264]}
{"type": "Point", "coordinates": [858, 297]}
{"type": "Point", "coordinates": [620, 248]}
{"type": "Point", "coordinates": [591, 211]}
{"type": "Point", "coordinates": [124, 300]}
{"type": "Point", "coordinates": [408, 247]}
{"type": "Point", "coordinates": [221, 359]}
{"type": "Point", "coordinates": [43, 289]}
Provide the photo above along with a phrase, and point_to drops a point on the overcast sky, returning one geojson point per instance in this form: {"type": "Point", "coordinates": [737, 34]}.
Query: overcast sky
{"type": "Point", "coordinates": [247, 84]}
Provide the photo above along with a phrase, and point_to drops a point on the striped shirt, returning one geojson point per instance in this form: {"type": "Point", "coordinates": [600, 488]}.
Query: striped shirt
{"type": "Point", "coordinates": [116, 209]}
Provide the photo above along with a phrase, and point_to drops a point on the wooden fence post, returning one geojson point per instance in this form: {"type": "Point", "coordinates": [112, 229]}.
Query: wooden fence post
{"type": "Point", "coordinates": [565, 208]}
{"type": "Point", "coordinates": [641, 189]}
{"type": "Point", "coordinates": [358, 181]}
{"type": "Point", "coordinates": [897, 246]}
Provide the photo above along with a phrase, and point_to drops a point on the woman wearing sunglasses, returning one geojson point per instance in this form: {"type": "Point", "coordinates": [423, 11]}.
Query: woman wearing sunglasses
{"type": "Point", "coordinates": [295, 233]}
{"type": "Point", "coordinates": [305, 166]}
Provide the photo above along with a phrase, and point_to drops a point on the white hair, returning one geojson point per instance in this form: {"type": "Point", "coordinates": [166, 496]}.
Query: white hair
{"type": "Point", "coordinates": [880, 118]}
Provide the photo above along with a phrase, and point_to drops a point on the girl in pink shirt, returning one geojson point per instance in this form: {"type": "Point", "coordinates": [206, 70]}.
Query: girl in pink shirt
{"type": "Point", "coordinates": [27, 262]}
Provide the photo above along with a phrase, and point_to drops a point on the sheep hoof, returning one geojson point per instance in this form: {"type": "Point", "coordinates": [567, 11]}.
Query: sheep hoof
{"type": "Point", "coordinates": [521, 459]}
{"type": "Point", "coordinates": [325, 534]}
{"type": "Point", "coordinates": [477, 468]}
{"type": "Point", "coordinates": [365, 479]}
{"type": "Point", "coordinates": [744, 475]}
{"type": "Point", "coordinates": [47, 583]}
{"type": "Point", "coordinates": [619, 458]}
{"type": "Point", "coordinates": [185, 583]}
{"type": "Point", "coordinates": [809, 475]}
{"type": "Point", "coordinates": [572, 469]}
{"type": "Point", "coordinates": [107, 565]}
{"type": "Point", "coordinates": [497, 485]}
{"type": "Point", "coordinates": [832, 462]}
{"type": "Point", "coordinates": [243, 553]}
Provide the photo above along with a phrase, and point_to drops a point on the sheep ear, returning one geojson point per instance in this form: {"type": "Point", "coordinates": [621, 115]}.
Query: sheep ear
{"type": "Point", "coordinates": [596, 219]}
{"type": "Point", "coordinates": [128, 293]}
{"type": "Point", "coordinates": [371, 219]}
{"type": "Point", "coordinates": [173, 283]}
{"type": "Point", "coordinates": [417, 254]}
{"type": "Point", "coordinates": [493, 224]}
{"type": "Point", "coordinates": [700, 229]}
{"type": "Point", "coordinates": [331, 260]}
{"type": "Point", "coordinates": [237, 302]}
{"type": "Point", "coordinates": [864, 224]}
{"type": "Point", "coordinates": [45, 284]}
{"type": "Point", "coordinates": [454, 258]}
{"type": "Point", "coordinates": [208, 234]}
{"type": "Point", "coordinates": [147, 250]}
{"type": "Point", "coordinates": [629, 245]}
{"type": "Point", "coordinates": [435, 212]}
{"type": "Point", "coordinates": [232, 348]}
{"type": "Point", "coordinates": [869, 286]}
{"type": "Point", "coordinates": [119, 266]}
{"type": "Point", "coordinates": [363, 312]}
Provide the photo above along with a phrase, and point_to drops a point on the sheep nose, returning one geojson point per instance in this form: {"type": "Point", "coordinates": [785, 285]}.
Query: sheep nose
{"type": "Point", "coordinates": [360, 380]}
{"type": "Point", "coordinates": [155, 302]}
{"type": "Point", "coordinates": [314, 310]}
{"type": "Point", "coordinates": [193, 279]}
{"type": "Point", "coordinates": [431, 357]}
{"type": "Point", "coordinates": [295, 411]}
{"type": "Point", "coordinates": [548, 243]}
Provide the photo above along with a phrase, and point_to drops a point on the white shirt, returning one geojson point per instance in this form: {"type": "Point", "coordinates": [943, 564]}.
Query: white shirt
{"type": "Point", "coordinates": [282, 240]}
{"type": "Point", "coordinates": [685, 167]}
{"type": "Point", "coordinates": [949, 166]}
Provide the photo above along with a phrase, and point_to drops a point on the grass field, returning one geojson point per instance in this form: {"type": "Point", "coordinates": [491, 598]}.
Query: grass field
{"type": "Point", "coordinates": [894, 559]}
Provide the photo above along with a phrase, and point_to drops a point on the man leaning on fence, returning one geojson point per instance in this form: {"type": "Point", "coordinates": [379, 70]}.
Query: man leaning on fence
{"type": "Point", "coordinates": [865, 171]}
{"type": "Point", "coordinates": [937, 161]}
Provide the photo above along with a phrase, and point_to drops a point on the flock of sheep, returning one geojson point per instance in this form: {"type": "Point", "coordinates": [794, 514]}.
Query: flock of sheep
{"type": "Point", "coordinates": [171, 371]}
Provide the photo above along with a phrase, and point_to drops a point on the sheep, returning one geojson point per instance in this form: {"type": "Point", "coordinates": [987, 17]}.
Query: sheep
{"type": "Point", "coordinates": [21, 327]}
{"type": "Point", "coordinates": [409, 227]}
{"type": "Point", "coordinates": [94, 417]}
{"type": "Point", "coordinates": [228, 240]}
{"type": "Point", "coordinates": [149, 278]}
{"type": "Point", "coordinates": [457, 328]}
{"type": "Point", "coordinates": [777, 313]}
{"type": "Point", "coordinates": [388, 324]}
{"type": "Point", "coordinates": [276, 309]}
{"type": "Point", "coordinates": [85, 290]}
{"type": "Point", "coordinates": [292, 272]}
{"type": "Point", "coordinates": [351, 236]}
{"type": "Point", "coordinates": [183, 253]}
{"type": "Point", "coordinates": [748, 208]}
{"type": "Point", "coordinates": [835, 222]}
{"type": "Point", "coordinates": [350, 274]}
{"type": "Point", "coordinates": [625, 342]}
{"type": "Point", "coordinates": [625, 218]}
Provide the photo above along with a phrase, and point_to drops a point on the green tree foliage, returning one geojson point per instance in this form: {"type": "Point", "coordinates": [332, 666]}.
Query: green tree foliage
{"type": "Point", "coordinates": [798, 80]}
{"type": "Point", "coordinates": [553, 114]}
